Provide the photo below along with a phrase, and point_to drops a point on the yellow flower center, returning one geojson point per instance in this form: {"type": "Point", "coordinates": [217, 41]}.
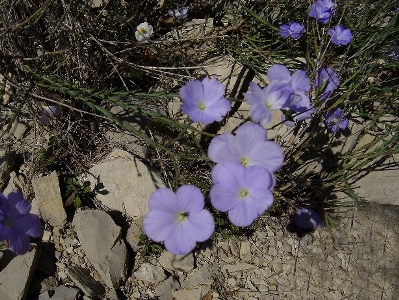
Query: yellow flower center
{"type": "Point", "coordinates": [181, 216]}
{"type": "Point", "coordinates": [142, 30]}
{"type": "Point", "coordinates": [244, 161]}
{"type": "Point", "coordinates": [243, 193]}
{"type": "Point", "coordinates": [202, 106]}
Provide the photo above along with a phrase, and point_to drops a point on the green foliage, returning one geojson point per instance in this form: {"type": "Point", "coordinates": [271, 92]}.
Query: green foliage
{"type": "Point", "coordinates": [77, 192]}
{"type": "Point", "coordinates": [149, 247]}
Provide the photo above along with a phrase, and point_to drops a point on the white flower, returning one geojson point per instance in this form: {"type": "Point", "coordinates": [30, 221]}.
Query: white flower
{"type": "Point", "coordinates": [143, 32]}
{"type": "Point", "coordinates": [49, 113]}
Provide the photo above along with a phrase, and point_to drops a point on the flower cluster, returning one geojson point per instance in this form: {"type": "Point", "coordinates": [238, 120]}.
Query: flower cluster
{"type": "Point", "coordinates": [322, 11]}
{"type": "Point", "coordinates": [16, 223]}
{"type": "Point", "coordinates": [285, 92]}
{"type": "Point", "coordinates": [243, 176]}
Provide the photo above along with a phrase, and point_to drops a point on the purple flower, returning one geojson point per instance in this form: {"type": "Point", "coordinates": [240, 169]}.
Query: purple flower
{"type": "Point", "coordinates": [293, 29]}
{"type": "Point", "coordinates": [203, 100]}
{"type": "Point", "coordinates": [264, 101]}
{"type": "Point", "coordinates": [179, 220]}
{"type": "Point", "coordinates": [248, 147]}
{"type": "Point", "coordinates": [179, 13]}
{"type": "Point", "coordinates": [302, 113]}
{"type": "Point", "coordinates": [298, 80]}
{"type": "Point", "coordinates": [340, 35]}
{"type": "Point", "coordinates": [243, 192]}
{"type": "Point", "coordinates": [16, 223]}
{"type": "Point", "coordinates": [327, 74]}
{"type": "Point", "coordinates": [49, 113]}
{"type": "Point", "coordinates": [298, 84]}
{"type": "Point", "coordinates": [322, 10]}
{"type": "Point", "coordinates": [335, 120]}
{"type": "Point", "coordinates": [307, 218]}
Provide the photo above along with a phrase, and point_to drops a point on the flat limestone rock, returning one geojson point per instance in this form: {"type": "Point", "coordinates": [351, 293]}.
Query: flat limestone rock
{"type": "Point", "coordinates": [102, 244]}
{"type": "Point", "coordinates": [48, 197]}
{"type": "Point", "coordinates": [124, 183]}
{"type": "Point", "coordinates": [17, 274]}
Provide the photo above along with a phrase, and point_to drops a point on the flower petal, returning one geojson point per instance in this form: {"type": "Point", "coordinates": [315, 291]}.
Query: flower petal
{"type": "Point", "coordinates": [278, 72]}
{"type": "Point", "coordinates": [18, 242]}
{"type": "Point", "coordinates": [159, 225]}
{"type": "Point", "coordinates": [213, 90]}
{"type": "Point", "coordinates": [200, 226]}
{"type": "Point", "coordinates": [243, 214]}
{"type": "Point", "coordinates": [28, 224]}
{"type": "Point", "coordinates": [190, 199]}
{"type": "Point", "coordinates": [163, 199]}
{"type": "Point", "coordinates": [219, 151]}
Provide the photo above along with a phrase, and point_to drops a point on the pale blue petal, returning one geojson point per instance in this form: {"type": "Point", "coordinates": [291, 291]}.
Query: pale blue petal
{"type": "Point", "coordinates": [278, 72]}
{"type": "Point", "coordinates": [243, 214]}
{"type": "Point", "coordinates": [300, 81]}
{"type": "Point", "coordinates": [213, 90]}
{"type": "Point", "coordinates": [190, 199]}
{"type": "Point", "coordinates": [200, 226]}
{"type": "Point", "coordinates": [260, 114]}
{"type": "Point", "coordinates": [192, 92]}
{"type": "Point", "coordinates": [256, 95]}
{"type": "Point", "coordinates": [219, 151]}
{"type": "Point", "coordinates": [267, 154]}
{"type": "Point", "coordinates": [163, 199]}
{"type": "Point", "coordinates": [224, 198]}
{"type": "Point", "coordinates": [262, 199]}
{"type": "Point", "coordinates": [158, 225]}
{"type": "Point", "coordinates": [180, 242]}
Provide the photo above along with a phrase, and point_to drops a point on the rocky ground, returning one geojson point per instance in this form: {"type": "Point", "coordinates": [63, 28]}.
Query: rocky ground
{"type": "Point", "coordinates": [95, 252]}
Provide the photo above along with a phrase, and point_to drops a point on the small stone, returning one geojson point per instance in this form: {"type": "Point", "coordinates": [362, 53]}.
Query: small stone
{"type": "Point", "coordinates": [231, 282]}
{"type": "Point", "coordinates": [150, 273]}
{"type": "Point", "coordinates": [133, 236]}
{"type": "Point", "coordinates": [189, 294]}
{"type": "Point", "coordinates": [179, 263]}
{"type": "Point", "coordinates": [198, 276]}
{"type": "Point", "coordinates": [82, 278]}
{"type": "Point", "coordinates": [64, 293]}
{"type": "Point", "coordinates": [165, 289]}
{"type": "Point", "coordinates": [6, 164]}
{"type": "Point", "coordinates": [245, 251]}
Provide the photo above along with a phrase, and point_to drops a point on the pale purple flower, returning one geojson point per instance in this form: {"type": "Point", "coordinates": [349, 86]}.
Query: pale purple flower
{"type": "Point", "coordinates": [298, 84]}
{"type": "Point", "coordinates": [248, 147]}
{"type": "Point", "coordinates": [179, 220]}
{"type": "Point", "coordinates": [302, 113]}
{"type": "Point", "coordinates": [293, 29]}
{"type": "Point", "coordinates": [50, 112]}
{"type": "Point", "coordinates": [203, 100]}
{"type": "Point", "coordinates": [299, 80]}
{"type": "Point", "coordinates": [322, 10]}
{"type": "Point", "coordinates": [340, 35]}
{"type": "Point", "coordinates": [264, 101]}
{"type": "Point", "coordinates": [16, 223]}
{"type": "Point", "coordinates": [144, 32]}
{"type": "Point", "coordinates": [308, 219]}
{"type": "Point", "coordinates": [179, 13]}
{"type": "Point", "coordinates": [327, 74]}
{"type": "Point", "coordinates": [335, 120]}
{"type": "Point", "coordinates": [243, 192]}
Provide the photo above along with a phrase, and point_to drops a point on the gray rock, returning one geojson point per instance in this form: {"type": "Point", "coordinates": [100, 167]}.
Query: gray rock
{"type": "Point", "coordinates": [6, 165]}
{"type": "Point", "coordinates": [150, 273]}
{"type": "Point", "coordinates": [17, 274]}
{"type": "Point", "coordinates": [191, 294]}
{"type": "Point", "coordinates": [102, 244]}
{"type": "Point", "coordinates": [133, 236]}
{"type": "Point", "coordinates": [64, 293]}
{"type": "Point", "coordinates": [16, 182]}
{"type": "Point", "coordinates": [179, 263]}
{"type": "Point", "coordinates": [165, 289]}
{"type": "Point", "coordinates": [126, 183]}
{"type": "Point", "coordinates": [48, 196]}
{"type": "Point", "coordinates": [200, 276]}
{"type": "Point", "coordinates": [18, 129]}
{"type": "Point", "coordinates": [82, 278]}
